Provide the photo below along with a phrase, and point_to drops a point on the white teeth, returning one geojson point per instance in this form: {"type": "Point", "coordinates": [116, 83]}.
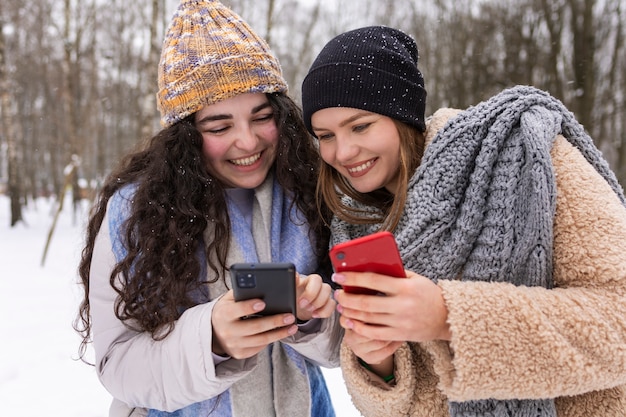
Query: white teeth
{"type": "Point", "coordinates": [361, 167]}
{"type": "Point", "coordinates": [246, 161]}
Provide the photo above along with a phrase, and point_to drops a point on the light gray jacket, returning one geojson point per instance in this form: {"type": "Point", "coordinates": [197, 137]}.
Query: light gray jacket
{"type": "Point", "coordinates": [179, 370]}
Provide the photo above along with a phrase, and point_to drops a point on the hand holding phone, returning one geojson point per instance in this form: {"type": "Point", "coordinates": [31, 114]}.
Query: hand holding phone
{"type": "Point", "coordinates": [274, 283]}
{"type": "Point", "coordinates": [377, 252]}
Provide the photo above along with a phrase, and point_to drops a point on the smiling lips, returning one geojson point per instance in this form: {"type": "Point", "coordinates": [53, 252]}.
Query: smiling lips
{"type": "Point", "coordinates": [247, 160]}
{"type": "Point", "coordinates": [360, 169]}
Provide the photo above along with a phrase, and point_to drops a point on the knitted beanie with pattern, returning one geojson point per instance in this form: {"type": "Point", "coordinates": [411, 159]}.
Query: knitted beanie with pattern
{"type": "Point", "coordinates": [373, 68]}
{"type": "Point", "coordinates": [211, 54]}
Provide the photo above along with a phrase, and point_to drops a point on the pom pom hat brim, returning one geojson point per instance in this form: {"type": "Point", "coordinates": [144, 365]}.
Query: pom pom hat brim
{"type": "Point", "coordinates": [211, 54]}
{"type": "Point", "coordinates": [372, 68]}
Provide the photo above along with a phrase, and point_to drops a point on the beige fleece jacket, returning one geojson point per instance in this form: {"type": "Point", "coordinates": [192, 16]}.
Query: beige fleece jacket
{"type": "Point", "coordinates": [568, 343]}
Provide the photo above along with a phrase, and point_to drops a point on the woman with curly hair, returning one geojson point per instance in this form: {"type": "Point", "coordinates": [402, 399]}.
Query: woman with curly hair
{"type": "Point", "coordinates": [230, 178]}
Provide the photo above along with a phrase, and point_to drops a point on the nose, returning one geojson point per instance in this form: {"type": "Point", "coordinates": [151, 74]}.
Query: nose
{"type": "Point", "coordinates": [345, 149]}
{"type": "Point", "coordinates": [246, 138]}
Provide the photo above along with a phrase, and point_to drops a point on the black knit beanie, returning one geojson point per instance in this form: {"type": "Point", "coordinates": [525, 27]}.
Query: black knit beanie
{"type": "Point", "coordinates": [372, 68]}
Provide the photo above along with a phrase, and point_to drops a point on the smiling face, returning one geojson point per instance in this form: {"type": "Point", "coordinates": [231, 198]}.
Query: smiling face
{"type": "Point", "coordinates": [239, 139]}
{"type": "Point", "coordinates": [362, 146]}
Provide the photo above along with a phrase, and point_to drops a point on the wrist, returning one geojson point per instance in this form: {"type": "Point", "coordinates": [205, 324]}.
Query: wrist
{"type": "Point", "coordinates": [382, 371]}
{"type": "Point", "coordinates": [444, 332]}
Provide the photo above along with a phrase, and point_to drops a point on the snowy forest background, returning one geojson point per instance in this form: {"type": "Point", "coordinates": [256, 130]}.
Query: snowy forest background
{"type": "Point", "coordinates": [78, 77]}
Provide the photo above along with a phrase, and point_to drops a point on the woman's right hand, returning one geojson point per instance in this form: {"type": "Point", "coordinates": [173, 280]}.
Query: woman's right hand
{"type": "Point", "coordinates": [242, 339]}
{"type": "Point", "coordinates": [385, 317]}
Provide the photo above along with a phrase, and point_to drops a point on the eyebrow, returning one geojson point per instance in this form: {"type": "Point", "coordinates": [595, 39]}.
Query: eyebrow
{"type": "Point", "coordinates": [225, 116]}
{"type": "Point", "coordinates": [348, 120]}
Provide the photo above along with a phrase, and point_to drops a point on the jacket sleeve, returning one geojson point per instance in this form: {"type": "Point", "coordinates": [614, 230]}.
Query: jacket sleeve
{"type": "Point", "coordinates": [167, 374]}
{"type": "Point", "coordinates": [527, 342]}
{"type": "Point", "coordinates": [322, 346]}
{"type": "Point", "coordinates": [414, 393]}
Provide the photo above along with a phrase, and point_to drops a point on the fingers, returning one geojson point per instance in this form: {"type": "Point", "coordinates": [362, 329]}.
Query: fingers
{"type": "Point", "coordinates": [314, 298]}
{"type": "Point", "coordinates": [414, 310]}
{"type": "Point", "coordinates": [377, 282]}
{"type": "Point", "coordinates": [372, 331]}
{"type": "Point", "coordinates": [372, 351]}
{"type": "Point", "coordinates": [239, 338]}
{"type": "Point", "coordinates": [248, 337]}
{"type": "Point", "coordinates": [365, 307]}
{"type": "Point", "coordinates": [234, 310]}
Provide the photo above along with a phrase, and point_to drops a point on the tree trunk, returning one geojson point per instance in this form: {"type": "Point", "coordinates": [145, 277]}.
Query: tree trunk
{"type": "Point", "coordinates": [150, 70]}
{"type": "Point", "coordinates": [8, 130]}
{"type": "Point", "coordinates": [70, 173]}
{"type": "Point", "coordinates": [583, 32]}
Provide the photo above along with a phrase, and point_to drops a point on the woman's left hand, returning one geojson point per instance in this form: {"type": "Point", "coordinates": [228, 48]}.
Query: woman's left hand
{"type": "Point", "coordinates": [411, 309]}
{"type": "Point", "coordinates": [313, 297]}
{"type": "Point", "coordinates": [377, 353]}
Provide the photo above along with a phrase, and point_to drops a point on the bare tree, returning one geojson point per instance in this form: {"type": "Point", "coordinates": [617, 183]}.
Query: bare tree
{"type": "Point", "coordinates": [584, 42]}
{"type": "Point", "coordinates": [553, 16]}
{"type": "Point", "coordinates": [147, 110]}
{"type": "Point", "coordinates": [8, 131]}
{"type": "Point", "coordinates": [613, 122]}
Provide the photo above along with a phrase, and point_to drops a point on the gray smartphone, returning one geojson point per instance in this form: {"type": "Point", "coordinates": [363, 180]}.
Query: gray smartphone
{"type": "Point", "coordinates": [273, 282]}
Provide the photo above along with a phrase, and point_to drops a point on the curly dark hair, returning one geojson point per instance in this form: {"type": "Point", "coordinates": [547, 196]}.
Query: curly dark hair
{"type": "Point", "coordinates": [175, 200]}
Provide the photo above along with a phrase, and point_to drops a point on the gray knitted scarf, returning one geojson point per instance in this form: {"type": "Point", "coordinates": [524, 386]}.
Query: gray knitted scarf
{"type": "Point", "coordinates": [481, 206]}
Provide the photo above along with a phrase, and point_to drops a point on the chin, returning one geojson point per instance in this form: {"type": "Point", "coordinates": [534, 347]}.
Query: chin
{"type": "Point", "coordinates": [250, 181]}
{"type": "Point", "coordinates": [365, 188]}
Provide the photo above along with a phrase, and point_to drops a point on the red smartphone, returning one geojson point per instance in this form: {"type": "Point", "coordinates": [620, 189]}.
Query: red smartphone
{"type": "Point", "coordinates": [377, 252]}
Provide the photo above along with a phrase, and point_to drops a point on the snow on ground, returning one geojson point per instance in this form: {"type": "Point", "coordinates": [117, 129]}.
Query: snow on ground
{"type": "Point", "coordinates": [39, 370]}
